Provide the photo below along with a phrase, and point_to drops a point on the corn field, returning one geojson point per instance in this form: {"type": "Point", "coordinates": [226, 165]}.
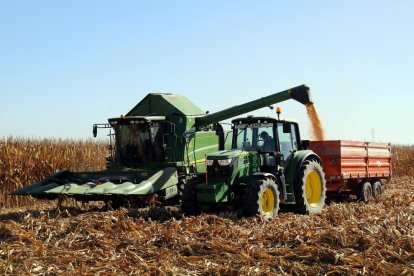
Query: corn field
{"type": "Point", "coordinates": [403, 160]}
{"type": "Point", "coordinates": [348, 238]}
{"type": "Point", "coordinates": [26, 161]}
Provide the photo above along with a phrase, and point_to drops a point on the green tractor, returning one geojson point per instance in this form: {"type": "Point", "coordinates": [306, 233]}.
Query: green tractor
{"type": "Point", "coordinates": [268, 166]}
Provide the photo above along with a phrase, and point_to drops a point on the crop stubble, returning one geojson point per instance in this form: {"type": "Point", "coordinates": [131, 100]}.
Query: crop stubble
{"type": "Point", "coordinates": [347, 238]}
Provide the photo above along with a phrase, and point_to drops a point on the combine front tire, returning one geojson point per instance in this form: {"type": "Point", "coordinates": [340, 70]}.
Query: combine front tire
{"type": "Point", "coordinates": [376, 189]}
{"type": "Point", "coordinates": [189, 202]}
{"type": "Point", "coordinates": [310, 188]}
{"type": "Point", "coordinates": [365, 193]}
{"type": "Point", "coordinates": [261, 197]}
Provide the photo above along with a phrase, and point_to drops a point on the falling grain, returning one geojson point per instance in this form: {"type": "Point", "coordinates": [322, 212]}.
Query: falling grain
{"type": "Point", "coordinates": [318, 133]}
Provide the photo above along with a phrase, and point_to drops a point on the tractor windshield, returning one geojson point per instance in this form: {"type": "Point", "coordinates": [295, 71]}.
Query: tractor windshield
{"type": "Point", "coordinates": [254, 137]}
{"type": "Point", "coordinates": [139, 143]}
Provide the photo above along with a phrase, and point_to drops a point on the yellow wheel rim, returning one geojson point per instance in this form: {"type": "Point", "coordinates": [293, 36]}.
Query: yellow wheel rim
{"type": "Point", "coordinates": [313, 188]}
{"type": "Point", "coordinates": [268, 201]}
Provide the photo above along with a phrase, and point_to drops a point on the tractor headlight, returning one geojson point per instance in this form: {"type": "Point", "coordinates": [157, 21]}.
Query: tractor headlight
{"type": "Point", "coordinates": [209, 162]}
{"type": "Point", "coordinates": [225, 162]}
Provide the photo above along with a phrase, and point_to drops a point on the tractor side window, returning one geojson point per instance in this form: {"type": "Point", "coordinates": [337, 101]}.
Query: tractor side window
{"type": "Point", "coordinates": [285, 141]}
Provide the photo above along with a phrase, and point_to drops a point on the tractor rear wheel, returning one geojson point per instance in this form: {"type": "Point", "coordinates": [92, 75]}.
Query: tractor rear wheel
{"type": "Point", "coordinates": [189, 202]}
{"type": "Point", "coordinates": [262, 197]}
{"type": "Point", "coordinates": [365, 193]}
{"type": "Point", "coordinates": [376, 189]}
{"type": "Point", "coordinates": [310, 188]}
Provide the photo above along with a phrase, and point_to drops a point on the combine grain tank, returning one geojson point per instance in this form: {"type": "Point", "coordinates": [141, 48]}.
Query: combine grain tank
{"type": "Point", "coordinates": [354, 167]}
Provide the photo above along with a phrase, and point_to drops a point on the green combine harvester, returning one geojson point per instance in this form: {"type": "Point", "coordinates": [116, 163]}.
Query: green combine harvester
{"type": "Point", "coordinates": [155, 150]}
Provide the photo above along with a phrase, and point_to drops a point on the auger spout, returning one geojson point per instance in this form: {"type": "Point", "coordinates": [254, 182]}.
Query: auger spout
{"type": "Point", "coordinates": [300, 93]}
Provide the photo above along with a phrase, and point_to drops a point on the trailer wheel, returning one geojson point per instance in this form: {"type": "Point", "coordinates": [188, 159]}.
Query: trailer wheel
{"type": "Point", "coordinates": [189, 203]}
{"type": "Point", "coordinates": [365, 193]}
{"type": "Point", "coordinates": [376, 189]}
{"type": "Point", "coordinates": [310, 188]}
{"type": "Point", "coordinates": [261, 197]}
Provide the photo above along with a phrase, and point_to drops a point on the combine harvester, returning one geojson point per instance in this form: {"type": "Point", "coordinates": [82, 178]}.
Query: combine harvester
{"type": "Point", "coordinates": [157, 148]}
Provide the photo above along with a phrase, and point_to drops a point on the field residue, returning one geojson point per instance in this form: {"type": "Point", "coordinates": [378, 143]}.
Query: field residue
{"type": "Point", "coordinates": [348, 238]}
{"type": "Point", "coordinates": [317, 131]}
{"type": "Point", "coordinates": [345, 239]}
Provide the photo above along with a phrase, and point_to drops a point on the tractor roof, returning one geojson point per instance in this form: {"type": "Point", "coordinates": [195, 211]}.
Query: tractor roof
{"type": "Point", "coordinates": [253, 119]}
{"type": "Point", "coordinates": [165, 104]}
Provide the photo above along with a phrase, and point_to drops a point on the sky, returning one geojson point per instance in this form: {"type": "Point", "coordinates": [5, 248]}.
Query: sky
{"type": "Point", "coordinates": [65, 65]}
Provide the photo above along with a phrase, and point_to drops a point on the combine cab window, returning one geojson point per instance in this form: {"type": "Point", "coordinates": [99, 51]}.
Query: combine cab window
{"type": "Point", "coordinates": [139, 143]}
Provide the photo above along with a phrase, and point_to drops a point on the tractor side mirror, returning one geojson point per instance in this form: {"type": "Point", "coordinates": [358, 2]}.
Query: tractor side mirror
{"type": "Point", "coordinates": [95, 130]}
{"type": "Point", "coordinates": [286, 127]}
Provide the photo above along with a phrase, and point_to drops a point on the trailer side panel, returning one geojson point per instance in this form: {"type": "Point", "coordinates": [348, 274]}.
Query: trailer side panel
{"type": "Point", "coordinates": [348, 162]}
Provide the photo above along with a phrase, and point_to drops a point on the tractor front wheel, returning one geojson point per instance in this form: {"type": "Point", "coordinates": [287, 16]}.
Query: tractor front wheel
{"type": "Point", "coordinates": [189, 202]}
{"type": "Point", "coordinates": [262, 197]}
{"type": "Point", "coordinates": [310, 188]}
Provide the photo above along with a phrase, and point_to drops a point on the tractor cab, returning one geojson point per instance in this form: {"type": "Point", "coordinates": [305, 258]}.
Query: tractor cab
{"type": "Point", "coordinates": [274, 140]}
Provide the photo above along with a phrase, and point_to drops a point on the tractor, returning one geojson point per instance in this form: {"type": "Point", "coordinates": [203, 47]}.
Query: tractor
{"type": "Point", "coordinates": [268, 166]}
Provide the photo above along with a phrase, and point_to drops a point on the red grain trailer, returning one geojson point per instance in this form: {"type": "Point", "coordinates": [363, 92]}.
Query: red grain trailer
{"type": "Point", "coordinates": [354, 167]}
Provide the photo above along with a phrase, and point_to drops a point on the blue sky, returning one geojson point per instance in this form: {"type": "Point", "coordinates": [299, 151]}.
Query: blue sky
{"type": "Point", "coordinates": [67, 65]}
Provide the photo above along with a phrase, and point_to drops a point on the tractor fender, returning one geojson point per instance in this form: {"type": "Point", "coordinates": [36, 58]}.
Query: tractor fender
{"type": "Point", "coordinates": [279, 180]}
{"type": "Point", "coordinates": [296, 162]}
{"type": "Point", "coordinates": [308, 156]}
{"type": "Point", "coordinates": [265, 175]}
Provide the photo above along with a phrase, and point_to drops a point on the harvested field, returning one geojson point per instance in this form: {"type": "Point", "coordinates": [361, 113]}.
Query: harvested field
{"type": "Point", "coordinates": [352, 238]}
{"type": "Point", "coordinates": [347, 238]}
